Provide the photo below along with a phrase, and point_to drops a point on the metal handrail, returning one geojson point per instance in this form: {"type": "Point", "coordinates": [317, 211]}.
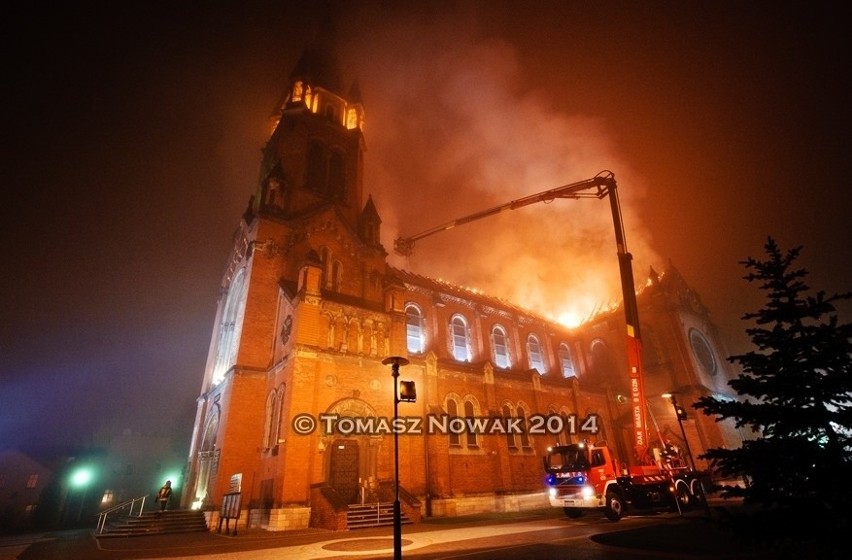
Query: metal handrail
{"type": "Point", "coordinates": [102, 516]}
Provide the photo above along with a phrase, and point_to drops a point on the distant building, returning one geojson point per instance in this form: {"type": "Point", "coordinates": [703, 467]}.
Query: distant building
{"type": "Point", "coordinates": [310, 309]}
{"type": "Point", "coordinates": [23, 479]}
{"type": "Point", "coordinates": [65, 488]}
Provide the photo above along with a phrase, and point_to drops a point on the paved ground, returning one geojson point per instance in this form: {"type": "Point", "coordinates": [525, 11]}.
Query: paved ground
{"type": "Point", "coordinates": [654, 536]}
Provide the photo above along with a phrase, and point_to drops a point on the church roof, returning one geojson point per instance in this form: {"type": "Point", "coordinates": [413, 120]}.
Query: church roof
{"type": "Point", "coordinates": [470, 294]}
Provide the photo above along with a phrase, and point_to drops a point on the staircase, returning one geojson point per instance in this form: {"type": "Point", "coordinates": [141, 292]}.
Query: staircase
{"type": "Point", "coordinates": [156, 523]}
{"type": "Point", "coordinates": [361, 516]}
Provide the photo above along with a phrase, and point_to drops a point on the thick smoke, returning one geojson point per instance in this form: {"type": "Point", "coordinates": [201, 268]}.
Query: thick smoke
{"type": "Point", "coordinates": [453, 127]}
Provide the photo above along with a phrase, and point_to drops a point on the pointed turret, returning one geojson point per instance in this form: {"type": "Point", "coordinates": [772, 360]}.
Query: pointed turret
{"type": "Point", "coordinates": [314, 156]}
{"type": "Point", "coordinates": [369, 224]}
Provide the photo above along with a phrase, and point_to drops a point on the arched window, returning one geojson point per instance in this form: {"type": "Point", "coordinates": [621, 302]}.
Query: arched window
{"type": "Point", "coordinates": [525, 437]}
{"type": "Point", "coordinates": [272, 428]}
{"type": "Point", "coordinates": [336, 275]}
{"type": "Point", "coordinates": [500, 347]}
{"type": "Point", "coordinates": [414, 329]}
{"type": "Point", "coordinates": [534, 352]}
{"type": "Point", "coordinates": [565, 361]}
{"type": "Point", "coordinates": [510, 434]}
{"type": "Point", "coordinates": [470, 413]}
{"type": "Point", "coordinates": [453, 412]}
{"type": "Point", "coordinates": [603, 364]}
{"type": "Point", "coordinates": [459, 339]}
{"type": "Point", "coordinates": [230, 328]}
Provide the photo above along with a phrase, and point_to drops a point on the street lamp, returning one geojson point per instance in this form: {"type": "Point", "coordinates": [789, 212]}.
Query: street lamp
{"type": "Point", "coordinates": [80, 479]}
{"type": "Point", "coordinates": [402, 391]}
{"type": "Point", "coordinates": [680, 413]}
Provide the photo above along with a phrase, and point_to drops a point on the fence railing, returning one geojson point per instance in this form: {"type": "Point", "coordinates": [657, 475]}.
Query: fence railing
{"type": "Point", "coordinates": [102, 516]}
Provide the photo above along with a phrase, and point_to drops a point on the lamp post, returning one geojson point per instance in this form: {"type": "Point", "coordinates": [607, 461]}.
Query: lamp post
{"type": "Point", "coordinates": [80, 479]}
{"type": "Point", "coordinates": [408, 396]}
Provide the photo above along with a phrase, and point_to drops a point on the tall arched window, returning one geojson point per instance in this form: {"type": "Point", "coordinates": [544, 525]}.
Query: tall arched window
{"type": "Point", "coordinates": [453, 412]}
{"type": "Point", "coordinates": [565, 360]}
{"type": "Point", "coordinates": [415, 340]}
{"type": "Point", "coordinates": [459, 339]}
{"type": "Point", "coordinates": [230, 328]}
{"type": "Point", "coordinates": [336, 275]}
{"type": "Point", "coordinates": [534, 352]}
{"type": "Point", "coordinates": [270, 415]}
{"type": "Point", "coordinates": [603, 364]}
{"type": "Point", "coordinates": [510, 434]}
{"type": "Point", "coordinates": [500, 347]}
{"type": "Point", "coordinates": [470, 412]}
{"type": "Point", "coordinates": [272, 426]}
{"type": "Point", "coordinates": [525, 436]}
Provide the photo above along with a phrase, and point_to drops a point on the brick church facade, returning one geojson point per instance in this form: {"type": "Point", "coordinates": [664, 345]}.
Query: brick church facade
{"type": "Point", "coordinates": [309, 309]}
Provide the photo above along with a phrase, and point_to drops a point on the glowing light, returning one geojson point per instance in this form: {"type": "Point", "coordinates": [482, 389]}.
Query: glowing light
{"type": "Point", "coordinates": [578, 311]}
{"type": "Point", "coordinates": [570, 319]}
{"type": "Point", "coordinates": [81, 477]}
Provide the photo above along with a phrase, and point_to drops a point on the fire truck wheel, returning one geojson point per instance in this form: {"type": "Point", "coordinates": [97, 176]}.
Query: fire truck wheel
{"type": "Point", "coordinates": [573, 513]}
{"type": "Point", "coordinates": [614, 509]}
{"type": "Point", "coordinates": [697, 492]}
{"type": "Point", "coordinates": [683, 497]}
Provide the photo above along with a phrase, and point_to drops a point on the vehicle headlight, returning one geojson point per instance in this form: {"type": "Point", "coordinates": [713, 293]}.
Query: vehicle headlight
{"type": "Point", "coordinates": [552, 492]}
{"type": "Point", "coordinates": [588, 491]}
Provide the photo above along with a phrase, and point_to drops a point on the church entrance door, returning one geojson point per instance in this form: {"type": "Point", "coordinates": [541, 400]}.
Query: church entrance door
{"type": "Point", "coordinates": [343, 472]}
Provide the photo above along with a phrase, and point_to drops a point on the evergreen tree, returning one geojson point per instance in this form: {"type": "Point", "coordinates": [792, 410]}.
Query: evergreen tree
{"type": "Point", "coordinates": [796, 397]}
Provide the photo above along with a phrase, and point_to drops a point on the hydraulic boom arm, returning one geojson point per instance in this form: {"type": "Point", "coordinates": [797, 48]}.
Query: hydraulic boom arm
{"type": "Point", "coordinates": [601, 185]}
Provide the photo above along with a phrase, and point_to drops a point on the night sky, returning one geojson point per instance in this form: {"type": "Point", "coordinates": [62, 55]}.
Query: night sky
{"type": "Point", "coordinates": [132, 138]}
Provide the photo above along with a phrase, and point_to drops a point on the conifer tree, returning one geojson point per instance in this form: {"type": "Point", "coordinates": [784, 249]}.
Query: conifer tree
{"type": "Point", "coordinates": [795, 396]}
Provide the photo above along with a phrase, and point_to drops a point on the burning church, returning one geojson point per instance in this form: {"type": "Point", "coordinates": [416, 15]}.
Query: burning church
{"type": "Point", "coordinates": [296, 412]}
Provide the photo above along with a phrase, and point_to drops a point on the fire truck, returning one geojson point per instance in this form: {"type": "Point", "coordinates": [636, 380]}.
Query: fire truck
{"type": "Point", "coordinates": [587, 476]}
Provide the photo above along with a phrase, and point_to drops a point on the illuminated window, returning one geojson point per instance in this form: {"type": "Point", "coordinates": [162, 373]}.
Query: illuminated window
{"type": "Point", "coordinates": [565, 360]}
{"type": "Point", "coordinates": [310, 99]}
{"type": "Point", "coordinates": [32, 481]}
{"type": "Point", "coordinates": [107, 497]}
{"type": "Point", "coordinates": [459, 339]}
{"type": "Point", "coordinates": [351, 118]}
{"type": "Point", "coordinates": [534, 352]}
{"type": "Point", "coordinates": [414, 329]}
{"type": "Point", "coordinates": [500, 347]}
{"type": "Point", "coordinates": [297, 91]}
{"type": "Point", "coordinates": [230, 327]}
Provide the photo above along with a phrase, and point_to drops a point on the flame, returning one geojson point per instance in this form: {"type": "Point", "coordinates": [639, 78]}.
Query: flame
{"type": "Point", "coordinates": [577, 311]}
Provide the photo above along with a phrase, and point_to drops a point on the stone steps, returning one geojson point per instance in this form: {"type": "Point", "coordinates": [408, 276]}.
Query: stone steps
{"type": "Point", "coordinates": [156, 523]}
{"type": "Point", "coordinates": [361, 516]}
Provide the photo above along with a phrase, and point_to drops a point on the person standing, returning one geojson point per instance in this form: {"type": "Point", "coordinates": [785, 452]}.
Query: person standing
{"type": "Point", "coordinates": [164, 494]}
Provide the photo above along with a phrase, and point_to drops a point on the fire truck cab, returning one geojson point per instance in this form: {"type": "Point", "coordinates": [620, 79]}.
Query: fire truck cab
{"type": "Point", "coordinates": [583, 477]}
